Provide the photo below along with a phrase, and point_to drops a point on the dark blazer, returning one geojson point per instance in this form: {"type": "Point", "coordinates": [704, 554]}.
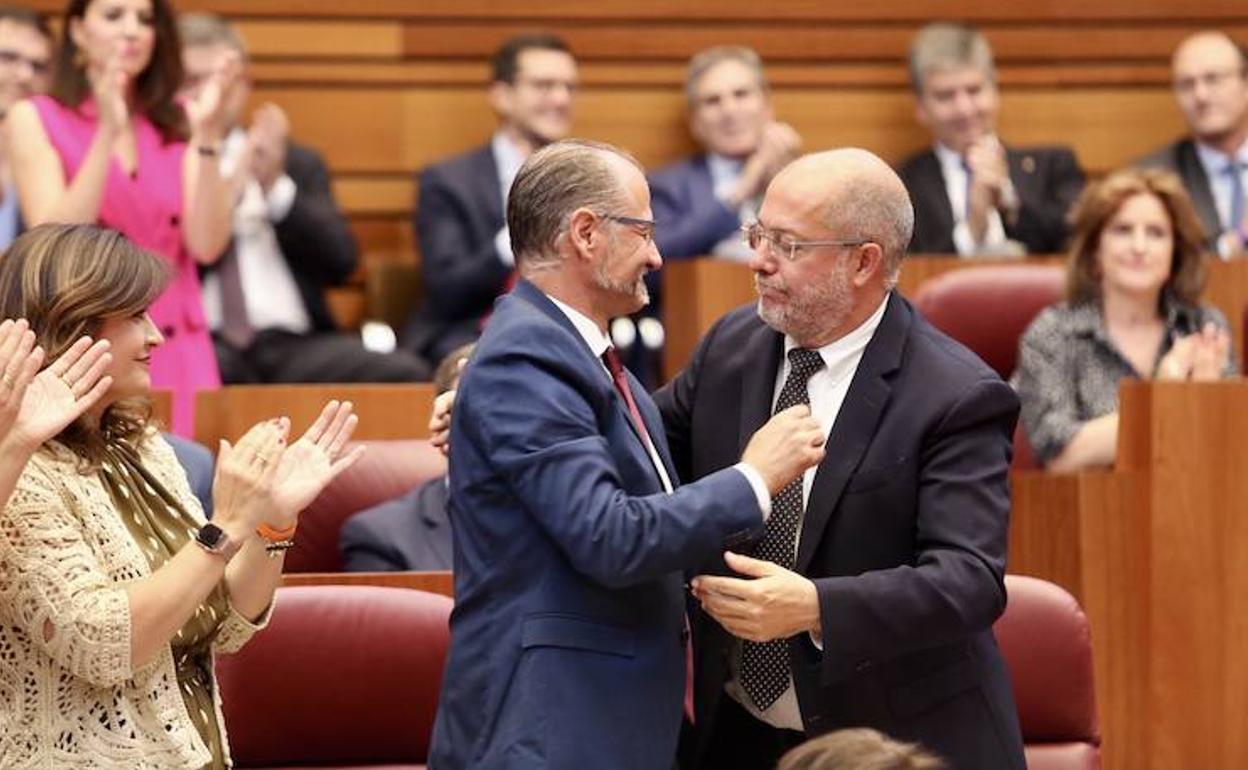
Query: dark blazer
{"type": "Point", "coordinates": [690, 219]}
{"type": "Point", "coordinates": [904, 534]}
{"type": "Point", "coordinates": [458, 213]}
{"type": "Point", "coordinates": [1047, 180]}
{"type": "Point", "coordinates": [1180, 158]}
{"type": "Point", "coordinates": [411, 532]}
{"type": "Point", "coordinates": [314, 237]}
{"type": "Point", "coordinates": [567, 637]}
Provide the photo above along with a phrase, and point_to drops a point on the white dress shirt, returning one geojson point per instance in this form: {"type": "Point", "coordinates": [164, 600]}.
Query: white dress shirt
{"type": "Point", "coordinates": [827, 388]}
{"type": "Point", "coordinates": [270, 292]}
{"type": "Point", "coordinates": [956, 178]}
{"type": "Point", "coordinates": [1215, 164]}
{"type": "Point", "coordinates": [508, 160]}
{"type": "Point", "coordinates": [725, 172]}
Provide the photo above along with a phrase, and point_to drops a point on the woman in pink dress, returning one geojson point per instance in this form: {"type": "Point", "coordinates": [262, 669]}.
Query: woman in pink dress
{"type": "Point", "coordinates": [109, 145]}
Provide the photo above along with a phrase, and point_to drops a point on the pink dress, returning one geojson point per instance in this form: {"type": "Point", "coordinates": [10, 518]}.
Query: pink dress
{"type": "Point", "coordinates": [147, 208]}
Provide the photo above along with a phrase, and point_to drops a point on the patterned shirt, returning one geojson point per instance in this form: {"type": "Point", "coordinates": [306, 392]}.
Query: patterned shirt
{"type": "Point", "coordinates": [1069, 368]}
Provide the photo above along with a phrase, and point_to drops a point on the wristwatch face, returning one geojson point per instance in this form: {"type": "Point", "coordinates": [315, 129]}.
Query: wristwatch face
{"type": "Point", "coordinates": [212, 537]}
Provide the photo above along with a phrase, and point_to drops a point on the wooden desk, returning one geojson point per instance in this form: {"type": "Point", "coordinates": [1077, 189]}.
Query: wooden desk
{"type": "Point", "coordinates": [1155, 550]}
{"type": "Point", "coordinates": [386, 411]}
{"type": "Point", "coordinates": [698, 291]}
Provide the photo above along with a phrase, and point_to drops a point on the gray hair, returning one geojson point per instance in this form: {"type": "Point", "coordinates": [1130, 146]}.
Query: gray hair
{"type": "Point", "coordinates": [206, 29]}
{"type": "Point", "coordinates": [555, 181]}
{"type": "Point", "coordinates": [944, 45]}
{"type": "Point", "coordinates": [703, 61]}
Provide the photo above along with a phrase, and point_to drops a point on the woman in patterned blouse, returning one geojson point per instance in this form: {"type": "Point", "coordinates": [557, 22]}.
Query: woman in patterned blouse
{"type": "Point", "coordinates": [1134, 279]}
{"type": "Point", "coordinates": [114, 592]}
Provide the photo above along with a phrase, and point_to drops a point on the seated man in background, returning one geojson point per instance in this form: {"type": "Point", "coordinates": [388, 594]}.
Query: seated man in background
{"type": "Point", "coordinates": [465, 248]}
{"type": "Point", "coordinates": [410, 532]}
{"type": "Point", "coordinates": [972, 195]}
{"type": "Point", "coordinates": [1211, 87]}
{"type": "Point", "coordinates": [25, 63]}
{"type": "Point", "coordinates": [265, 298]}
{"type": "Point", "coordinates": [701, 202]}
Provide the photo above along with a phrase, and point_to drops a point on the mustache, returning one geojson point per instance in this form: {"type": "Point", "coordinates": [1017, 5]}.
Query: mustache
{"type": "Point", "coordinates": [769, 285]}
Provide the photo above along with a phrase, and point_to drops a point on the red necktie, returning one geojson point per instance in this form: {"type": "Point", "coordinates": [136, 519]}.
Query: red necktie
{"type": "Point", "coordinates": [612, 360]}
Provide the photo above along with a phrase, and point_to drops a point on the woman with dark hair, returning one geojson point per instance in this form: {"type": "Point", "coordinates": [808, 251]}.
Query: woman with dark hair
{"type": "Point", "coordinates": [114, 591]}
{"type": "Point", "coordinates": [1132, 309]}
{"type": "Point", "coordinates": [109, 145]}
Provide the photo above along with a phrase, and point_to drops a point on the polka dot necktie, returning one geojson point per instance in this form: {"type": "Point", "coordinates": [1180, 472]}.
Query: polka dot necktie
{"type": "Point", "coordinates": [765, 665]}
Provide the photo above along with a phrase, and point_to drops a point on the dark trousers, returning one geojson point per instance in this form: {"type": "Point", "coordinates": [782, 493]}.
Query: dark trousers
{"type": "Point", "coordinates": [281, 356]}
{"type": "Point", "coordinates": [738, 741]}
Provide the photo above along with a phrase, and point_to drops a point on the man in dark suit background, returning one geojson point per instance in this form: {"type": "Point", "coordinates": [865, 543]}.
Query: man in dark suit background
{"type": "Point", "coordinates": [1210, 74]}
{"type": "Point", "coordinates": [972, 194]}
{"type": "Point", "coordinates": [567, 638]}
{"type": "Point", "coordinates": [701, 202]}
{"type": "Point", "coordinates": [465, 253]}
{"type": "Point", "coordinates": [410, 532]}
{"type": "Point", "coordinates": [870, 600]}
{"type": "Point", "coordinates": [265, 298]}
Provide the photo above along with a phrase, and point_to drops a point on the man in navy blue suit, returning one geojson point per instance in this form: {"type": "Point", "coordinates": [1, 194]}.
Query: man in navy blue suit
{"type": "Point", "coordinates": [701, 202]}
{"type": "Point", "coordinates": [465, 252]}
{"type": "Point", "coordinates": [568, 640]}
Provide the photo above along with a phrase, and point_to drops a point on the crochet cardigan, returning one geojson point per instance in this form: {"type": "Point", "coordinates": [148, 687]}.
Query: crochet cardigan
{"type": "Point", "coordinates": [70, 695]}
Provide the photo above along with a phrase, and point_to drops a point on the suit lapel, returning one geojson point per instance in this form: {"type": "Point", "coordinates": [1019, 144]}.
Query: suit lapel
{"type": "Point", "coordinates": [933, 190]}
{"type": "Point", "coordinates": [1197, 183]}
{"type": "Point", "coordinates": [488, 187]}
{"type": "Point", "coordinates": [649, 412]}
{"type": "Point", "coordinates": [759, 361]}
{"type": "Point", "coordinates": [855, 425]}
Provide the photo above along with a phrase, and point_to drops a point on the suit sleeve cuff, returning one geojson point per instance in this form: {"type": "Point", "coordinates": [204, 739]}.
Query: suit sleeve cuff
{"type": "Point", "coordinates": [758, 485]}
{"type": "Point", "coordinates": [280, 198]}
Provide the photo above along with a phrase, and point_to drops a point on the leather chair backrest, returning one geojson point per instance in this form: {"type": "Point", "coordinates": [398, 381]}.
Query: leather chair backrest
{"type": "Point", "coordinates": [1045, 638]}
{"type": "Point", "coordinates": [387, 470]}
{"type": "Point", "coordinates": [343, 675]}
{"type": "Point", "coordinates": [988, 308]}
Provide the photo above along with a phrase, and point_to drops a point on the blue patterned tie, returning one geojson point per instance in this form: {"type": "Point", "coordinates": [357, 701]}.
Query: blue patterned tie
{"type": "Point", "coordinates": [765, 665]}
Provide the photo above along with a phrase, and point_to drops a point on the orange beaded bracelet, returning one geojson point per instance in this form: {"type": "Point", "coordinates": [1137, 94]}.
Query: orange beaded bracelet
{"type": "Point", "coordinates": [274, 535]}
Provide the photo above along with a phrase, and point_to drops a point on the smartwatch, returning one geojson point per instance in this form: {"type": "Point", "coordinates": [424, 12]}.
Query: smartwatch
{"type": "Point", "coordinates": [213, 539]}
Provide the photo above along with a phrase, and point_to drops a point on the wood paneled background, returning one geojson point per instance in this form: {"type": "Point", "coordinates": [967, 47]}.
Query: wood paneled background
{"type": "Point", "coordinates": [384, 87]}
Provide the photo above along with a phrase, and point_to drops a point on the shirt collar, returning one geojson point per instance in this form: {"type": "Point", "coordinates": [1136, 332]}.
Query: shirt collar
{"type": "Point", "coordinates": [589, 331]}
{"type": "Point", "coordinates": [1086, 317]}
{"type": "Point", "coordinates": [948, 158]}
{"type": "Point", "coordinates": [847, 344]}
{"type": "Point", "coordinates": [723, 168]}
{"type": "Point", "coordinates": [1215, 161]}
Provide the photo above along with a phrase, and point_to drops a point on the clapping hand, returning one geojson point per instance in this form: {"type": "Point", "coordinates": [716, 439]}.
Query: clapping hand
{"type": "Point", "coordinates": [266, 143]}
{"type": "Point", "coordinates": [308, 465]}
{"type": "Point", "coordinates": [208, 112]}
{"type": "Point", "coordinates": [36, 405]}
{"type": "Point", "coordinates": [108, 87]}
{"type": "Point", "coordinates": [1200, 355]}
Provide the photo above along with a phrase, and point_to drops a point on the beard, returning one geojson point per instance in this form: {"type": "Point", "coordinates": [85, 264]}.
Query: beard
{"type": "Point", "coordinates": [811, 311]}
{"type": "Point", "coordinates": [623, 287]}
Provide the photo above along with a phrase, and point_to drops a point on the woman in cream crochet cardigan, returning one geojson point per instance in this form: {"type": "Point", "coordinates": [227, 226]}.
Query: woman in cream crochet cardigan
{"type": "Point", "coordinates": [114, 592]}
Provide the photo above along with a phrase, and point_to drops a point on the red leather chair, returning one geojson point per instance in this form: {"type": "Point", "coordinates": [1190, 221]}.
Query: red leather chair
{"type": "Point", "coordinates": [1045, 639]}
{"type": "Point", "coordinates": [344, 677]}
{"type": "Point", "coordinates": [387, 470]}
{"type": "Point", "coordinates": [988, 308]}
